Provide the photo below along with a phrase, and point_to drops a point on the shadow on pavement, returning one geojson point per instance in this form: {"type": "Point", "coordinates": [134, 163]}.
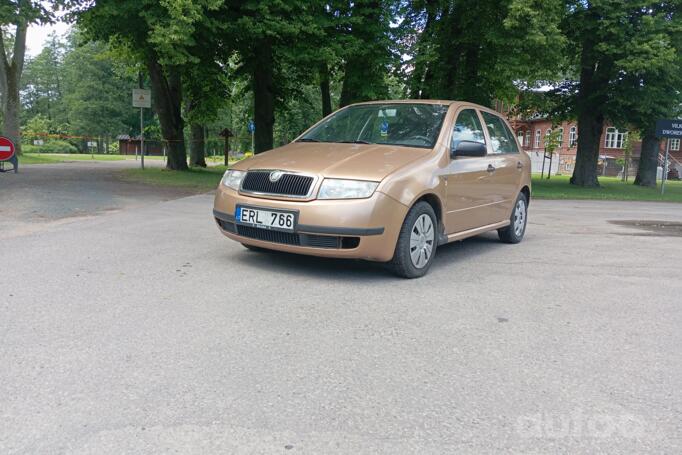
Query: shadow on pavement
{"type": "Point", "coordinates": [452, 255]}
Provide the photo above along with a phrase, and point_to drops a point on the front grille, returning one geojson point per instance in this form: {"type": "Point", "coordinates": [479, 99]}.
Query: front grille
{"type": "Point", "coordinates": [288, 184]}
{"type": "Point", "coordinates": [267, 235]}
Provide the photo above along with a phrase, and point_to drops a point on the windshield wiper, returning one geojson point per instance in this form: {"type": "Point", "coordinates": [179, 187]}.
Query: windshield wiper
{"type": "Point", "coordinates": [353, 142]}
{"type": "Point", "coordinates": [307, 139]}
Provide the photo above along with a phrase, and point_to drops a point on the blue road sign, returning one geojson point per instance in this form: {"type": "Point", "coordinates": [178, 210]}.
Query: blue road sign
{"type": "Point", "coordinates": [251, 126]}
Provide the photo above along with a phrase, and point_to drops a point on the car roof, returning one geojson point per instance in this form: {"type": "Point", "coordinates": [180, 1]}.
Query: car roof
{"type": "Point", "coordinates": [420, 101]}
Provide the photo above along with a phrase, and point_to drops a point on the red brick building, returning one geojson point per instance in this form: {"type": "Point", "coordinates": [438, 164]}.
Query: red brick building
{"type": "Point", "coordinates": [531, 134]}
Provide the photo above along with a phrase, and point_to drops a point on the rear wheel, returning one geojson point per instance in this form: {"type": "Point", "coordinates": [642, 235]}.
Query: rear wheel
{"type": "Point", "coordinates": [417, 242]}
{"type": "Point", "coordinates": [517, 222]}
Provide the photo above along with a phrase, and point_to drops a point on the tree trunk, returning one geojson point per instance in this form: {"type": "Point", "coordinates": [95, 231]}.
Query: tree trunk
{"type": "Point", "coordinates": [648, 161]}
{"type": "Point", "coordinates": [167, 98]}
{"type": "Point", "coordinates": [324, 90]}
{"type": "Point", "coordinates": [197, 145]}
{"type": "Point", "coordinates": [590, 127]}
{"type": "Point", "coordinates": [11, 113]}
{"type": "Point", "coordinates": [10, 82]}
{"type": "Point", "coordinates": [264, 98]}
{"type": "Point", "coordinates": [593, 78]}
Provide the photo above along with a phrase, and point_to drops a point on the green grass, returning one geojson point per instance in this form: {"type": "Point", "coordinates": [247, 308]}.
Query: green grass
{"type": "Point", "coordinates": [611, 188]}
{"type": "Point", "coordinates": [198, 179]}
{"type": "Point", "coordinates": [51, 158]}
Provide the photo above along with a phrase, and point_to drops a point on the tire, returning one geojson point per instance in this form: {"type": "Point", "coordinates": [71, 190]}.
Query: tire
{"type": "Point", "coordinates": [425, 241]}
{"type": "Point", "coordinates": [517, 221]}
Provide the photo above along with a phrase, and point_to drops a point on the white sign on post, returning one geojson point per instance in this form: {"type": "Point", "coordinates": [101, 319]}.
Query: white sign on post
{"type": "Point", "coordinates": [92, 144]}
{"type": "Point", "coordinates": [142, 98]}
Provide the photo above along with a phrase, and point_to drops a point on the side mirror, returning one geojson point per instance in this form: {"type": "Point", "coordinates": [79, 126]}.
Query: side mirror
{"type": "Point", "coordinates": [469, 148]}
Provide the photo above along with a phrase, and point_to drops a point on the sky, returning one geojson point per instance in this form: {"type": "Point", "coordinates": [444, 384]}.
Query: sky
{"type": "Point", "coordinates": [37, 34]}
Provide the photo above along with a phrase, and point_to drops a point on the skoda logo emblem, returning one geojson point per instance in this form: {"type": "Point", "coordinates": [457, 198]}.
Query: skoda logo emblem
{"type": "Point", "coordinates": [275, 176]}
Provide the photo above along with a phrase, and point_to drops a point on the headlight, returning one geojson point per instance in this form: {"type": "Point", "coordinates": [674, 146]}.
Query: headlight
{"type": "Point", "coordinates": [232, 179]}
{"type": "Point", "coordinates": [346, 189]}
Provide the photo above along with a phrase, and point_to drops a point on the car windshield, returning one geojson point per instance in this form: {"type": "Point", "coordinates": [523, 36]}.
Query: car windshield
{"type": "Point", "coordinates": [405, 124]}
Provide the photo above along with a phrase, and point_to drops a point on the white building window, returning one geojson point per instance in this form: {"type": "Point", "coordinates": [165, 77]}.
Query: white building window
{"type": "Point", "coordinates": [519, 136]}
{"type": "Point", "coordinates": [674, 144]}
{"type": "Point", "coordinates": [572, 137]}
{"type": "Point", "coordinates": [560, 137]}
{"type": "Point", "coordinates": [538, 133]}
{"type": "Point", "coordinates": [615, 138]}
{"type": "Point", "coordinates": [526, 141]}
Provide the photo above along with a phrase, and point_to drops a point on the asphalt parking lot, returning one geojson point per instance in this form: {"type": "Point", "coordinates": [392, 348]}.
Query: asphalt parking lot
{"type": "Point", "coordinates": [142, 329]}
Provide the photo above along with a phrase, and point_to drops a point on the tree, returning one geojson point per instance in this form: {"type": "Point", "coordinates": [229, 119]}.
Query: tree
{"type": "Point", "coordinates": [479, 53]}
{"type": "Point", "coordinates": [619, 50]}
{"type": "Point", "coordinates": [275, 44]}
{"type": "Point", "coordinates": [650, 89]}
{"type": "Point", "coordinates": [17, 14]}
{"type": "Point", "coordinates": [552, 141]}
{"type": "Point", "coordinates": [160, 35]}
{"type": "Point", "coordinates": [628, 148]}
{"type": "Point", "coordinates": [365, 52]}
{"type": "Point", "coordinates": [42, 84]}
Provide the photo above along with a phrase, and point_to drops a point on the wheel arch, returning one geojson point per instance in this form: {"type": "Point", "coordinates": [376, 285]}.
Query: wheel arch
{"type": "Point", "coordinates": [526, 191]}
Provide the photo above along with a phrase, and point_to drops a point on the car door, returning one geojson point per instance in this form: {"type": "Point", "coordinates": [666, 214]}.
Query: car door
{"type": "Point", "coordinates": [505, 178]}
{"type": "Point", "coordinates": [467, 196]}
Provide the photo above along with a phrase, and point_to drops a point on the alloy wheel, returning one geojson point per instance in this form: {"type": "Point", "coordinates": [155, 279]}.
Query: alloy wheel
{"type": "Point", "coordinates": [422, 237]}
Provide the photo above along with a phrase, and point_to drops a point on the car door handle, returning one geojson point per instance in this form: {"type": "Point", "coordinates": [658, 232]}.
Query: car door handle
{"type": "Point", "coordinates": [491, 168]}
{"type": "Point", "coordinates": [519, 165]}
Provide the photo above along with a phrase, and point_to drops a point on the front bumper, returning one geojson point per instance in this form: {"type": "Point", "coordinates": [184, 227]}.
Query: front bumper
{"type": "Point", "coordinates": [353, 228]}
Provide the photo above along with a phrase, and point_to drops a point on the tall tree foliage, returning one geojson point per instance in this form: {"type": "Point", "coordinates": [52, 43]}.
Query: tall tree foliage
{"type": "Point", "coordinates": [160, 35]}
{"type": "Point", "coordinates": [365, 51]}
{"type": "Point", "coordinates": [79, 88]}
{"type": "Point", "coordinates": [17, 15]}
{"type": "Point", "coordinates": [275, 41]}
{"type": "Point", "coordinates": [479, 52]}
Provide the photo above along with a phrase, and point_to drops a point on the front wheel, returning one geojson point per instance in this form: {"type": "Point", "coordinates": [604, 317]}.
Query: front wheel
{"type": "Point", "coordinates": [417, 242]}
{"type": "Point", "coordinates": [517, 222]}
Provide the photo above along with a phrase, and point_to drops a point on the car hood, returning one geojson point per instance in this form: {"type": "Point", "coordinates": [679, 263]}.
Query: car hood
{"type": "Point", "coordinates": [352, 161]}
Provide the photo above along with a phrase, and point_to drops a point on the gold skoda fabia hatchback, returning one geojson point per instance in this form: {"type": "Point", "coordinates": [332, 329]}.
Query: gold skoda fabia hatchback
{"type": "Point", "coordinates": [385, 181]}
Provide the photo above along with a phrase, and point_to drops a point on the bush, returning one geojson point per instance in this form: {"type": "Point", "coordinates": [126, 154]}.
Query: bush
{"type": "Point", "coordinates": [51, 146]}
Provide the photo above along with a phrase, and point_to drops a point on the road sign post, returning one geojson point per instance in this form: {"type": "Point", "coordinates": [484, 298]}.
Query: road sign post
{"type": "Point", "coordinates": [143, 99]}
{"type": "Point", "coordinates": [668, 128]}
{"type": "Point", "coordinates": [7, 153]}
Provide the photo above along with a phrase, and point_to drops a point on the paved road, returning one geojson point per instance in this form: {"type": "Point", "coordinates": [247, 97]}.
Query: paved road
{"type": "Point", "coordinates": [144, 330]}
{"type": "Point", "coordinates": [41, 196]}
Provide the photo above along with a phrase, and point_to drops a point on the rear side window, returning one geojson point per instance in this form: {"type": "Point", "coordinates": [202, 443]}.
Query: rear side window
{"type": "Point", "coordinates": [467, 128]}
{"type": "Point", "coordinates": [502, 140]}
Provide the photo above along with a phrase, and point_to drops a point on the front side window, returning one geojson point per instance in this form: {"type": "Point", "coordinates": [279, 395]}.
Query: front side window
{"type": "Point", "coordinates": [467, 128]}
{"type": "Point", "coordinates": [501, 138]}
{"type": "Point", "coordinates": [404, 124]}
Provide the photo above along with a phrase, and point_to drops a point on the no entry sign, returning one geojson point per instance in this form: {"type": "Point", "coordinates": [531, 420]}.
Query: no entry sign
{"type": "Point", "coordinates": [6, 149]}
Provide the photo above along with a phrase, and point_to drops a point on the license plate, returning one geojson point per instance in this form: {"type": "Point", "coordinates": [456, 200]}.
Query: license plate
{"type": "Point", "coordinates": [265, 218]}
